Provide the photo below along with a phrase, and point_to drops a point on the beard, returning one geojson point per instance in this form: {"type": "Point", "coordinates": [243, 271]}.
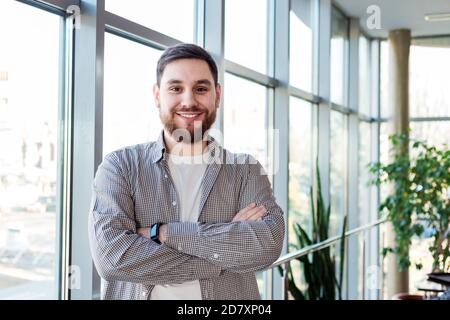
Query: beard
{"type": "Point", "coordinates": [194, 131]}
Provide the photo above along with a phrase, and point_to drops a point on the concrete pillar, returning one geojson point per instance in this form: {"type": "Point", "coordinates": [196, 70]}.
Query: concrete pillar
{"type": "Point", "coordinates": [399, 44]}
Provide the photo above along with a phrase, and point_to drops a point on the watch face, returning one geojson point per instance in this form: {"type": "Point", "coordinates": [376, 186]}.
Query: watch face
{"type": "Point", "coordinates": [154, 231]}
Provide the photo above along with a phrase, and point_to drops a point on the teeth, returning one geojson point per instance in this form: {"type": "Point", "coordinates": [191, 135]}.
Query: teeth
{"type": "Point", "coordinates": [188, 115]}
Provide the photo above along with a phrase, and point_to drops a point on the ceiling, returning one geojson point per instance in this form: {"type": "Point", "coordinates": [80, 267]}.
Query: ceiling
{"type": "Point", "coordinates": [400, 14]}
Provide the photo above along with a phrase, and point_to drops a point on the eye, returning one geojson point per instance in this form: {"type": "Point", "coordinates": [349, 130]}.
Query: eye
{"type": "Point", "coordinates": [175, 89]}
{"type": "Point", "coordinates": [201, 89]}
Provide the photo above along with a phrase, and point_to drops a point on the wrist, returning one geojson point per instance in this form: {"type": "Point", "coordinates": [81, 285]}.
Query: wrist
{"type": "Point", "coordinates": [162, 233]}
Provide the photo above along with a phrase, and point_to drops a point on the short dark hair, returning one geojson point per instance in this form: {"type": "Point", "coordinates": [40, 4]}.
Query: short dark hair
{"type": "Point", "coordinates": [185, 51]}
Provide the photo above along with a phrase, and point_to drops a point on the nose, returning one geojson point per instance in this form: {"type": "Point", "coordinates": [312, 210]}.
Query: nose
{"type": "Point", "coordinates": [188, 100]}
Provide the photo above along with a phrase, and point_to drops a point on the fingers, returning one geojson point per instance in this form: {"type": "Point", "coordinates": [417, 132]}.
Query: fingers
{"type": "Point", "coordinates": [250, 213]}
{"type": "Point", "coordinates": [251, 206]}
{"type": "Point", "coordinates": [243, 211]}
{"type": "Point", "coordinates": [257, 214]}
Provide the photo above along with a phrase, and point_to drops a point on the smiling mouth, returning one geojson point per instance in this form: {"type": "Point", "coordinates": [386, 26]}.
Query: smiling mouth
{"type": "Point", "coordinates": [189, 115]}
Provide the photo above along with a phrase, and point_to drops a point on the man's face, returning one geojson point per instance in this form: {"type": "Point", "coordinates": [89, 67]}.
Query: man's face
{"type": "Point", "coordinates": [187, 98]}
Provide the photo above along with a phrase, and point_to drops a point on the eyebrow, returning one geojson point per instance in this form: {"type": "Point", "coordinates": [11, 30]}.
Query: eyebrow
{"type": "Point", "coordinates": [201, 81]}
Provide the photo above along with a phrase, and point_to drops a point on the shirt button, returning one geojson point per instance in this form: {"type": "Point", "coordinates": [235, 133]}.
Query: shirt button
{"type": "Point", "coordinates": [144, 293]}
{"type": "Point", "coordinates": [215, 255]}
{"type": "Point", "coordinates": [174, 203]}
{"type": "Point", "coordinates": [180, 248]}
{"type": "Point", "coordinates": [166, 176]}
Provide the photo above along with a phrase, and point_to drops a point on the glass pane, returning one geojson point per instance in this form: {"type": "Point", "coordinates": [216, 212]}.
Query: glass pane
{"type": "Point", "coordinates": [174, 18]}
{"type": "Point", "coordinates": [245, 113]}
{"type": "Point", "coordinates": [338, 159]}
{"type": "Point", "coordinates": [429, 78]}
{"type": "Point", "coordinates": [29, 90]}
{"type": "Point", "coordinates": [384, 80]}
{"type": "Point", "coordinates": [300, 165]}
{"type": "Point", "coordinates": [364, 76]}
{"type": "Point", "coordinates": [434, 133]}
{"type": "Point", "coordinates": [129, 115]}
{"type": "Point", "coordinates": [301, 45]}
{"type": "Point", "coordinates": [260, 281]}
{"type": "Point", "coordinates": [385, 146]}
{"type": "Point", "coordinates": [364, 175]}
{"type": "Point", "coordinates": [339, 57]}
{"type": "Point", "coordinates": [246, 33]}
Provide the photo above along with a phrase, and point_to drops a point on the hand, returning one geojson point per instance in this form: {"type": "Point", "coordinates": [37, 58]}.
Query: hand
{"type": "Point", "coordinates": [145, 232]}
{"type": "Point", "coordinates": [250, 213]}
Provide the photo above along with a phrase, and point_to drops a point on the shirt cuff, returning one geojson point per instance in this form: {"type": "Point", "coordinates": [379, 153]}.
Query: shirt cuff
{"type": "Point", "coordinates": [182, 236]}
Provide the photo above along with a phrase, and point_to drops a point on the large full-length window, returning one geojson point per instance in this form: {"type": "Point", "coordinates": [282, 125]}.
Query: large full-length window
{"type": "Point", "coordinates": [429, 98]}
{"type": "Point", "coordinates": [29, 158]}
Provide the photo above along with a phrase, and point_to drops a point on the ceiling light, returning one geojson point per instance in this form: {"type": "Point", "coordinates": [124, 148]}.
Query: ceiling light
{"type": "Point", "coordinates": [437, 16]}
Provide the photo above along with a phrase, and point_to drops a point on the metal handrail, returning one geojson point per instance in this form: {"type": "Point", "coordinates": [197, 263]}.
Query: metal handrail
{"type": "Point", "coordinates": [321, 245]}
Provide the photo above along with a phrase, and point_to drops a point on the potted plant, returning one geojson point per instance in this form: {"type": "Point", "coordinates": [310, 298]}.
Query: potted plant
{"type": "Point", "coordinates": [319, 267]}
{"type": "Point", "coordinates": [420, 201]}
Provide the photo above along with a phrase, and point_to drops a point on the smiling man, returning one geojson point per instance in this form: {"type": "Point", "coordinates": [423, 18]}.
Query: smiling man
{"type": "Point", "coordinates": [182, 217]}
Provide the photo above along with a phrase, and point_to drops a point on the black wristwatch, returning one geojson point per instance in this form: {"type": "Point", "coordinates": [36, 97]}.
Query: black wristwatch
{"type": "Point", "coordinates": [154, 232]}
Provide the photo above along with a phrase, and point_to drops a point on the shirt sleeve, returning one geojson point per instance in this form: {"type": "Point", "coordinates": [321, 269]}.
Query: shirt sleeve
{"type": "Point", "coordinates": [118, 252]}
{"type": "Point", "coordinates": [243, 246]}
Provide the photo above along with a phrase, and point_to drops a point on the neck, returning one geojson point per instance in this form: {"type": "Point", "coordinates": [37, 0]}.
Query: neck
{"type": "Point", "coordinates": [183, 149]}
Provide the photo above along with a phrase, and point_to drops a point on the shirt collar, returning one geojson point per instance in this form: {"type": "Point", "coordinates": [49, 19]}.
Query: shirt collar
{"type": "Point", "coordinates": [214, 150]}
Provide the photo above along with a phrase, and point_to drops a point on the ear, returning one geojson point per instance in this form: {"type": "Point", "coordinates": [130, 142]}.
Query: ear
{"type": "Point", "coordinates": [218, 94]}
{"type": "Point", "coordinates": [156, 95]}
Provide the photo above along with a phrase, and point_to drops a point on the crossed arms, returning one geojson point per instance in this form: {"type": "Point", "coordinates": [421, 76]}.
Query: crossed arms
{"type": "Point", "coordinates": [190, 250]}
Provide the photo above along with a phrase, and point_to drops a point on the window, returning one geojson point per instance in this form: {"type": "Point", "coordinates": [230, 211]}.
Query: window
{"type": "Point", "coordinates": [245, 123]}
{"type": "Point", "coordinates": [246, 33]}
{"type": "Point", "coordinates": [130, 115]}
{"type": "Point", "coordinates": [245, 117]}
{"type": "Point", "coordinates": [300, 165]}
{"type": "Point", "coordinates": [339, 57]}
{"type": "Point", "coordinates": [338, 172]}
{"type": "Point", "coordinates": [364, 77]}
{"type": "Point", "coordinates": [29, 102]}
{"type": "Point", "coordinates": [301, 45]}
{"type": "Point", "coordinates": [174, 18]}
{"type": "Point", "coordinates": [429, 77]}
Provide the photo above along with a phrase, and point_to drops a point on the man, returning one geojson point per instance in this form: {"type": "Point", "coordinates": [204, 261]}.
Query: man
{"type": "Point", "coordinates": [183, 218]}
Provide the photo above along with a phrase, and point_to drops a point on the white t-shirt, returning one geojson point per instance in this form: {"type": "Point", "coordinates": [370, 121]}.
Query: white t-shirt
{"type": "Point", "coordinates": [187, 174]}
